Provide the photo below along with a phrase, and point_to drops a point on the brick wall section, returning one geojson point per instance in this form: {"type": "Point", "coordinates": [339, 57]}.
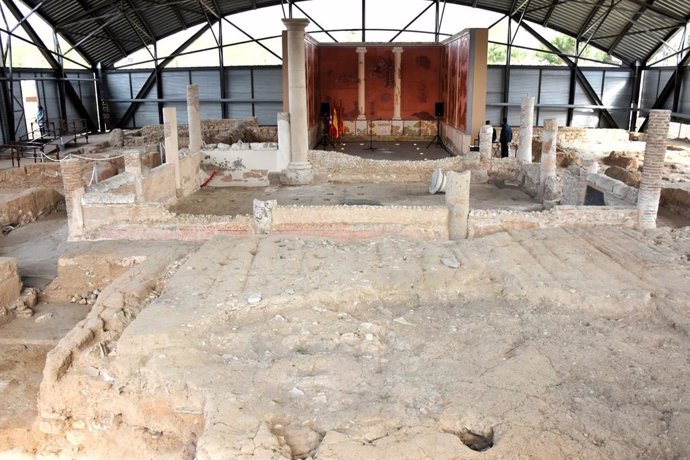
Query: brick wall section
{"type": "Point", "coordinates": [654, 156]}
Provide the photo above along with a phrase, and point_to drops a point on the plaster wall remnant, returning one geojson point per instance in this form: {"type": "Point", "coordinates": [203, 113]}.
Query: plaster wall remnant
{"type": "Point", "coordinates": [117, 138]}
{"type": "Point", "coordinates": [172, 154]}
{"type": "Point", "coordinates": [654, 156]}
{"type": "Point", "coordinates": [299, 171]}
{"type": "Point", "coordinates": [485, 147]}
{"type": "Point", "coordinates": [458, 203]}
{"type": "Point", "coordinates": [263, 215]}
{"type": "Point", "coordinates": [524, 152]}
{"type": "Point", "coordinates": [361, 82]}
{"type": "Point", "coordinates": [397, 91]}
{"type": "Point", "coordinates": [284, 149]}
{"type": "Point", "coordinates": [73, 184]}
{"type": "Point", "coordinates": [10, 282]}
{"type": "Point", "coordinates": [193, 118]}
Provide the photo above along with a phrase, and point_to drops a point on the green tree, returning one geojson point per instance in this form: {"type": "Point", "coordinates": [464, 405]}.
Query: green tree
{"type": "Point", "coordinates": [566, 44]}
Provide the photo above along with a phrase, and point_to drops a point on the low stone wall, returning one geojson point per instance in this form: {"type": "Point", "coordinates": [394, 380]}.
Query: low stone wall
{"type": "Point", "coordinates": [118, 189]}
{"type": "Point", "coordinates": [361, 221]}
{"type": "Point", "coordinates": [245, 165]}
{"type": "Point", "coordinates": [153, 221]}
{"type": "Point", "coordinates": [486, 222]}
{"type": "Point", "coordinates": [32, 175]}
{"type": "Point", "coordinates": [28, 205]}
{"type": "Point", "coordinates": [10, 283]}
{"type": "Point", "coordinates": [210, 130]}
{"type": "Point", "coordinates": [616, 193]}
{"type": "Point", "coordinates": [676, 197]}
{"type": "Point", "coordinates": [456, 141]}
{"type": "Point", "coordinates": [158, 186]}
{"type": "Point", "coordinates": [341, 168]}
{"type": "Point", "coordinates": [570, 135]}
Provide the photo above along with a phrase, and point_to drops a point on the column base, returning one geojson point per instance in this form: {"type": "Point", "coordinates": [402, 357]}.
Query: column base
{"type": "Point", "coordinates": [361, 117]}
{"type": "Point", "coordinates": [297, 173]}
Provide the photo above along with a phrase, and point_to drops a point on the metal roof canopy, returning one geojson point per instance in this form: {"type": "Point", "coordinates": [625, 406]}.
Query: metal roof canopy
{"type": "Point", "coordinates": [108, 30]}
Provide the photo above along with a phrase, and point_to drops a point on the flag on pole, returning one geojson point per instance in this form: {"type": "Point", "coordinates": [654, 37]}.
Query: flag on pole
{"type": "Point", "coordinates": [341, 122]}
{"type": "Point", "coordinates": [333, 129]}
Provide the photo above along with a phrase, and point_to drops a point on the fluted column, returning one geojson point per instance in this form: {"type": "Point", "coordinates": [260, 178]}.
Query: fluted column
{"type": "Point", "coordinates": [397, 92]}
{"type": "Point", "coordinates": [299, 171]}
{"type": "Point", "coordinates": [361, 83]}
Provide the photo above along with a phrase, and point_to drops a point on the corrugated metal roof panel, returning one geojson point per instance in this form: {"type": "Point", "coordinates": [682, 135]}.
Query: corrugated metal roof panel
{"type": "Point", "coordinates": [77, 18]}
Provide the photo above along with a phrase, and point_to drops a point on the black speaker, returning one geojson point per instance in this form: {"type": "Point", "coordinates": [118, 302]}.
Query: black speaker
{"type": "Point", "coordinates": [438, 109]}
{"type": "Point", "coordinates": [325, 109]}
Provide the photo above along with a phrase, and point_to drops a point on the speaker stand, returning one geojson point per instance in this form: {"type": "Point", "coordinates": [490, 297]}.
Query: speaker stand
{"type": "Point", "coordinates": [325, 138]}
{"type": "Point", "coordinates": [371, 138]}
{"type": "Point", "coordinates": [437, 138]}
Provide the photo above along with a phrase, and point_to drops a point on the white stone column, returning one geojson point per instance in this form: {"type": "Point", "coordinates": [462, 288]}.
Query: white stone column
{"type": "Point", "coordinates": [652, 169]}
{"type": "Point", "coordinates": [299, 171]}
{"type": "Point", "coordinates": [361, 83]}
{"type": "Point", "coordinates": [172, 153]}
{"type": "Point", "coordinates": [458, 203]}
{"type": "Point", "coordinates": [548, 150]}
{"type": "Point", "coordinates": [524, 152]}
{"type": "Point", "coordinates": [548, 182]}
{"type": "Point", "coordinates": [283, 140]}
{"type": "Point", "coordinates": [485, 146]}
{"type": "Point", "coordinates": [194, 120]}
{"type": "Point", "coordinates": [397, 92]}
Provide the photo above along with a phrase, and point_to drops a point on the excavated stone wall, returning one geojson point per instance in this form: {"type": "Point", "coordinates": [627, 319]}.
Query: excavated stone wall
{"type": "Point", "coordinates": [428, 223]}
{"type": "Point", "coordinates": [486, 222]}
{"type": "Point", "coordinates": [28, 205]}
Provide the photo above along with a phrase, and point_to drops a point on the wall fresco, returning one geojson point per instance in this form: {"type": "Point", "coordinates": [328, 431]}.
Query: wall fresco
{"type": "Point", "coordinates": [454, 81]}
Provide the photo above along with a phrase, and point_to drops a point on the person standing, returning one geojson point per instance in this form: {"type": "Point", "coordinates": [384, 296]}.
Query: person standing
{"type": "Point", "coordinates": [506, 137]}
{"type": "Point", "coordinates": [41, 119]}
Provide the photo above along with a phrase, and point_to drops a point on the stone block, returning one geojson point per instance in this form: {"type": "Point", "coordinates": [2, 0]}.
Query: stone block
{"type": "Point", "coordinates": [10, 282]}
{"type": "Point", "coordinates": [411, 128]}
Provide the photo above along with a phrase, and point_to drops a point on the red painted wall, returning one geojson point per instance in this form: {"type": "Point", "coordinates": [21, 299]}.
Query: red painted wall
{"type": "Point", "coordinates": [338, 78]}
{"type": "Point", "coordinates": [420, 80]}
{"type": "Point", "coordinates": [311, 54]}
{"type": "Point", "coordinates": [454, 78]}
{"type": "Point", "coordinates": [420, 71]}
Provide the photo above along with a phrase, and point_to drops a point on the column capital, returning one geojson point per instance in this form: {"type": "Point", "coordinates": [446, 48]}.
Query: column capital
{"type": "Point", "coordinates": [397, 49]}
{"type": "Point", "coordinates": [296, 24]}
{"type": "Point", "coordinates": [361, 49]}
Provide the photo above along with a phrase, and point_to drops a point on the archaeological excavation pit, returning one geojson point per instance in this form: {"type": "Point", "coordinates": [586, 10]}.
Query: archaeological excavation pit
{"type": "Point", "coordinates": [334, 255]}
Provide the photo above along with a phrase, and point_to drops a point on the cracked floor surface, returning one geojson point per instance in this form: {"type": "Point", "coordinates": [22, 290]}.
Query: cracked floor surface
{"type": "Point", "coordinates": [563, 343]}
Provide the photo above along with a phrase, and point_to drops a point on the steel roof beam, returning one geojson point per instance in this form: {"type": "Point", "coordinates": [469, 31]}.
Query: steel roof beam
{"type": "Point", "coordinates": [589, 91]}
{"type": "Point", "coordinates": [411, 22]}
{"type": "Point", "coordinates": [151, 80]}
{"type": "Point", "coordinates": [318, 25]}
{"type": "Point", "coordinates": [670, 88]}
{"type": "Point", "coordinates": [590, 17]}
{"type": "Point", "coordinates": [666, 38]}
{"type": "Point", "coordinates": [547, 18]}
{"type": "Point", "coordinates": [55, 65]}
{"type": "Point", "coordinates": [629, 25]}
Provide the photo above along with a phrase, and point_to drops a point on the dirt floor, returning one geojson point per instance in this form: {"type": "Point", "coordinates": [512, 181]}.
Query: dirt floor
{"type": "Point", "coordinates": [238, 200]}
{"type": "Point", "coordinates": [561, 343]}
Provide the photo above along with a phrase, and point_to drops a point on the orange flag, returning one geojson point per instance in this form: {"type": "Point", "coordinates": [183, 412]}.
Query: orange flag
{"type": "Point", "coordinates": [333, 129]}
